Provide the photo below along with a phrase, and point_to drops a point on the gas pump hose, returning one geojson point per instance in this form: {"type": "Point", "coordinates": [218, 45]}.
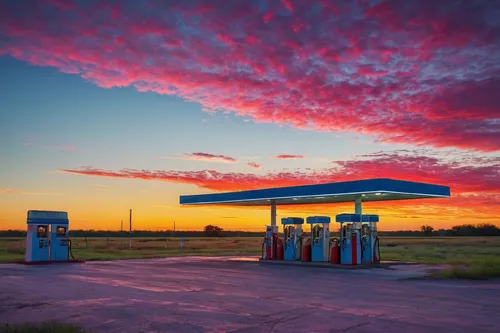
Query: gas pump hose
{"type": "Point", "coordinates": [70, 251]}
{"type": "Point", "coordinates": [376, 248]}
{"type": "Point", "coordinates": [301, 244]}
{"type": "Point", "coordinates": [363, 246]}
{"type": "Point", "coordinates": [263, 249]}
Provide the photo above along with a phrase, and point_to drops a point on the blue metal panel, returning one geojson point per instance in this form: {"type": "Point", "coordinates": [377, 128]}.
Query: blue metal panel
{"type": "Point", "coordinates": [318, 219]}
{"type": "Point", "coordinates": [292, 220]}
{"type": "Point", "coordinates": [343, 218]}
{"type": "Point", "coordinates": [46, 221]}
{"type": "Point", "coordinates": [340, 188]}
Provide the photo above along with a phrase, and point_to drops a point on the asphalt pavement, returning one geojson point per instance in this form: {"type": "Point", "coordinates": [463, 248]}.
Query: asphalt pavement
{"type": "Point", "coordinates": [226, 295]}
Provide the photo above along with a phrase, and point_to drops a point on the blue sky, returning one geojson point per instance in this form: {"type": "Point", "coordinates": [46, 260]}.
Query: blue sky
{"type": "Point", "coordinates": [422, 81]}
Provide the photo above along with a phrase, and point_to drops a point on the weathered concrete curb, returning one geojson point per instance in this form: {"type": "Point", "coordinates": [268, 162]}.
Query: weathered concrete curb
{"type": "Point", "coordinates": [384, 264]}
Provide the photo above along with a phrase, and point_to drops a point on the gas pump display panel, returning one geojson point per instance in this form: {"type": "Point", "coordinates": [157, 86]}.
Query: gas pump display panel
{"type": "Point", "coordinates": [42, 231]}
{"type": "Point", "coordinates": [289, 233]}
{"type": "Point", "coordinates": [61, 231]}
{"type": "Point", "coordinates": [316, 234]}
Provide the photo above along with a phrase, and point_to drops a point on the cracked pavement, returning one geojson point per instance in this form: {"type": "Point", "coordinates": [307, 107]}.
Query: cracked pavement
{"type": "Point", "coordinates": [223, 295]}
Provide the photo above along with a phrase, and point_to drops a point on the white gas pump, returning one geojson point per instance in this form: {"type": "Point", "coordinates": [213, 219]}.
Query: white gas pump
{"type": "Point", "coordinates": [270, 245]}
{"type": "Point", "coordinates": [320, 237]}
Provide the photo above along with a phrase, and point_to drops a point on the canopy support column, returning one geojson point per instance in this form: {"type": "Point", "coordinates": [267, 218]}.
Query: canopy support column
{"type": "Point", "coordinates": [273, 212]}
{"type": "Point", "coordinates": [358, 206]}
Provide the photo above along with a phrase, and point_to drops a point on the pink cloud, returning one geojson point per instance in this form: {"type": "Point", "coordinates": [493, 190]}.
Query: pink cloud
{"type": "Point", "coordinates": [211, 157]}
{"type": "Point", "coordinates": [415, 72]}
{"type": "Point", "coordinates": [474, 181]}
{"type": "Point", "coordinates": [467, 174]}
{"type": "Point", "coordinates": [205, 157]}
{"type": "Point", "coordinates": [254, 165]}
{"type": "Point", "coordinates": [287, 157]}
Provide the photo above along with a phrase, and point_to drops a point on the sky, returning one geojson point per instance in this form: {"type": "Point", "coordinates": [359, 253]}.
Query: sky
{"type": "Point", "coordinates": [108, 106]}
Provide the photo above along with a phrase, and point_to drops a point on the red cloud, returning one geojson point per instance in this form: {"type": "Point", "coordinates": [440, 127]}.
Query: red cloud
{"type": "Point", "coordinates": [211, 157]}
{"type": "Point", "coordinates": [416, 72]}
{"type": "Point", "coordinates": [467, 175]}
{"type": "Point", "coordinates": [474, 182]}
{"type": "Point", "coordinates": [254, 165]}
{"type": "Point", "coordinates": [284, 156]}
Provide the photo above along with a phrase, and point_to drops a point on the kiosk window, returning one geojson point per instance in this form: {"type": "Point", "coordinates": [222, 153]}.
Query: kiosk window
{"type": "Point", "coordinates": [61, 231]}
{"type": "Point", "coordinates": [41, 231]}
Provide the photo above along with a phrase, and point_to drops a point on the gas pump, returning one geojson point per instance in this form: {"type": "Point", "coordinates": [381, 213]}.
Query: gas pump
{"type": "Point", "coordinates": [320, 236]}
{"type": "Point", "coordinates": [358, 239]}
{"type": "Point", "coordinates": [292, 231]}
{"type": "Point", "coordinates": [59, 241]}
{"type": "Point", "coordinates": [270, 246]}
{"type": "Point", "coordinates": [369, 240]}
{"type": "Point", "coordinates": [350, 246]}
{"type": "Point", "coordinates": [37, 241]}
{"type": "Point", "coordinates": [47, 237]}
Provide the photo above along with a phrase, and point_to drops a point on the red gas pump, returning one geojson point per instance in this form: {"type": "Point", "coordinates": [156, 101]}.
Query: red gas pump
{"type": "Point", "coordinates": [269, 248]}
{"type": "Point", "coordinates": [334, 251]}
{"type": "Point", "coordinates": [275, 245]}
{"type": "Point", "coordinates": [354, 248]}
{"type": "Point", "coordinates": [271, 243]}
{"type": "Point", "coordinates": [306, 251]}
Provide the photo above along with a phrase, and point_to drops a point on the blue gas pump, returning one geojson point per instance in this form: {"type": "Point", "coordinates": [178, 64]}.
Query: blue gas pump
{"type": "Point", "coordinates": [59, 241]}
{"type": "Point", "coordinates": [358, 239]}
{"type": "Point", "coordinates": [292, 231]}
{"type": "Point", "coordinates": [370, 252]}
{"type": "Point", "coordinates": [320, 237]}
{"type": "Point", "coordinates": [47, 236]}
{"type": "Point", "coordinates": [37, 241]}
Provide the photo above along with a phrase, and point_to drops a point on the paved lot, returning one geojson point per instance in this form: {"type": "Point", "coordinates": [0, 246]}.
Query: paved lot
{"type": "Point", "coordinates": [219, 295]}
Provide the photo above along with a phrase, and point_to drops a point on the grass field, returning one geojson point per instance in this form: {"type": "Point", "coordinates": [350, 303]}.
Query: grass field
{"type": "Point", "coordinates": [471, 257]}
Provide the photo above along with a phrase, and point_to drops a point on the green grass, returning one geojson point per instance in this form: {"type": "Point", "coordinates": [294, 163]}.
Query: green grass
{"type": "Point", "coordinates": [470, 257]}
{"type": "Point", "coordinates": [46, 327]}
{"type": "Point", "coordinates": [102, 248]}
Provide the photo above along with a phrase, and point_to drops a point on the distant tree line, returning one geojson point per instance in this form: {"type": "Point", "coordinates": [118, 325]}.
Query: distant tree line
{"type": "Point", "coordinates": [208, 231]}
{"type": "Point", "coordinates": [215, 231]}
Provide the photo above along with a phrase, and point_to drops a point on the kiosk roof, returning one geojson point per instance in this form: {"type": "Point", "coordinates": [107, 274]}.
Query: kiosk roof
{"type": "Point", "coordinates": [379, 189]}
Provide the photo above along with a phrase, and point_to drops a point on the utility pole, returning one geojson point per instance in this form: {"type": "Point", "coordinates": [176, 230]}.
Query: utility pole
{"type": "Point", "coordinates": [174, 226]}
{"type": "Point", "coordinates": [121, 226]}
{"type": "Point", "coordinates": [130, 231]}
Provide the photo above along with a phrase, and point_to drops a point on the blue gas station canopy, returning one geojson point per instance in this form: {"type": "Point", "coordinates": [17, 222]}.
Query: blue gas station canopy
{"type": "Point", "coordinates": [343, 218]}
{"type": "Point", "coordinates": [292, 220]}
{"type": "Point", "coordinates": [318, 219]}
{"type": "Point", "coordinates": [379, 189]}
